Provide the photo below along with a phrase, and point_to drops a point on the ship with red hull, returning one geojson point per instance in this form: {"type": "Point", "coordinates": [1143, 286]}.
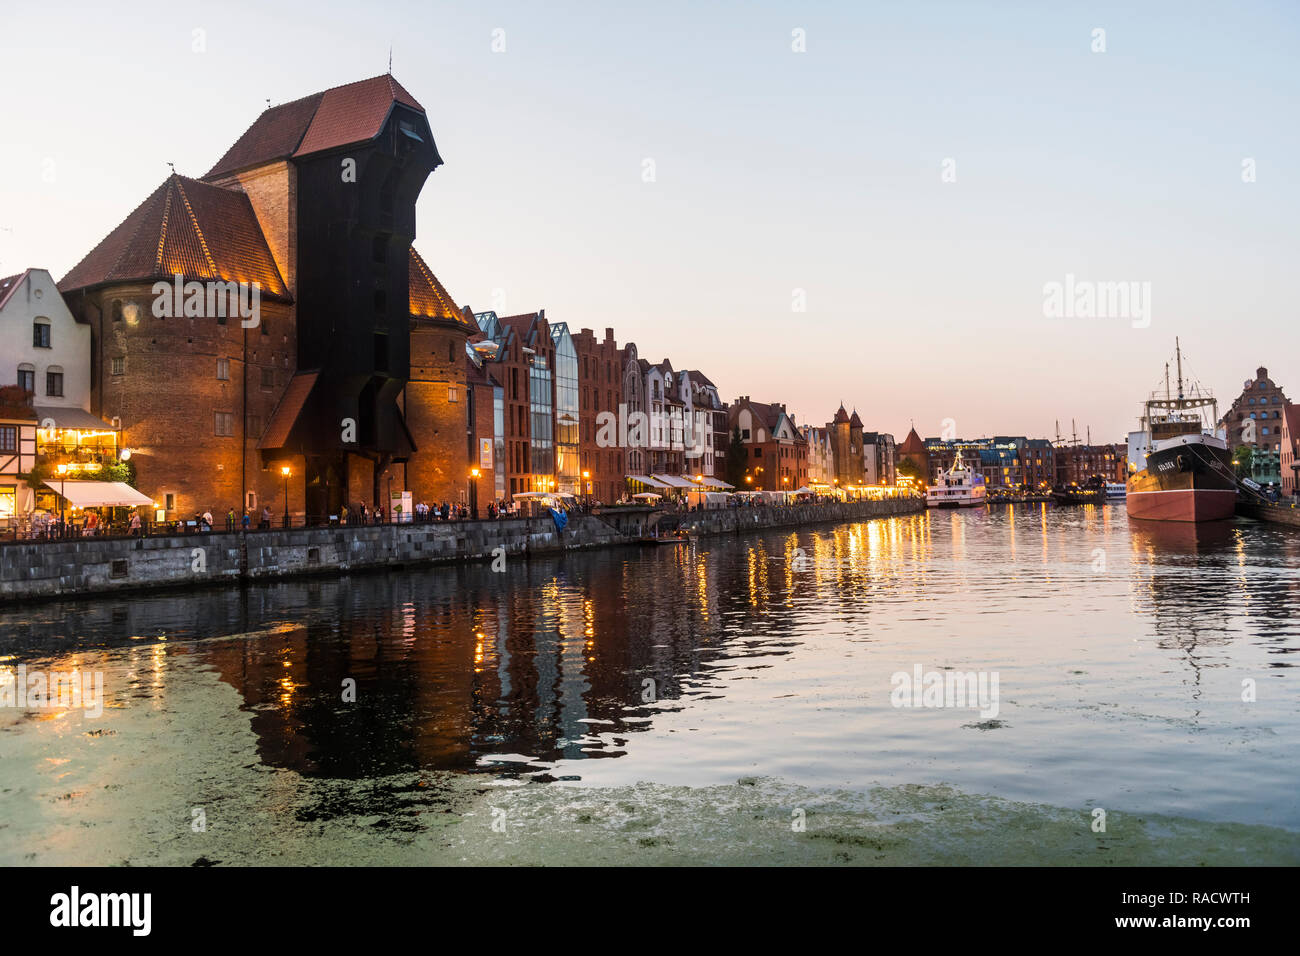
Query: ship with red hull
{"type": "Point", "coordinates": [1181, 470]}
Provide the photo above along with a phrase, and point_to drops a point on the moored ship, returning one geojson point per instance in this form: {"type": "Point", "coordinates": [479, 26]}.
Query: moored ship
{"type": "Point", "coordinates": [1181, 470]}
{"type": "Point", "coordinates": [958, 487]}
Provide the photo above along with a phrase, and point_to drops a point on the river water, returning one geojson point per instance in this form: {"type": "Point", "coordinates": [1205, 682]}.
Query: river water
{"type": "Point", "coordinates": [737, 699]}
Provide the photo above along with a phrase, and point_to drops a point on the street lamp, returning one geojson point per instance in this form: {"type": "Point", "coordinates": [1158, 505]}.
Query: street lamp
{"type": "Point", "coordinates": [473, 493]}
{"type": "Point", "coordinates": [284, 470]}
{"type": "Point", "coordinates": [586, 485]}
{"type": "Point", "coordinates": [63, 473]}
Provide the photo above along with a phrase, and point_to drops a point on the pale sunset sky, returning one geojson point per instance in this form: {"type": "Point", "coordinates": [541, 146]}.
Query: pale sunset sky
{"type": "Point", "coordinates": [920, 171]}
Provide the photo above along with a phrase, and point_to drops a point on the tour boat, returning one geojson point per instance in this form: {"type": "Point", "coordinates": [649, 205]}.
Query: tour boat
{"type": "Point", "coordinates": [1180, 470]}
{"type": "Point", "coordinates": [1115, 489]}
{"type": "Point", "coordinates": [958, 487]}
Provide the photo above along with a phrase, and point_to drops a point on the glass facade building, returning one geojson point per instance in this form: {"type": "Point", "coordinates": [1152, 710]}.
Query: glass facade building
{"type": "Point", "coordinates": [499, 440]}
{"type": "Point", "coordinates": [541, 448]}
{"type": "Point", "coordinates": [568, 473]}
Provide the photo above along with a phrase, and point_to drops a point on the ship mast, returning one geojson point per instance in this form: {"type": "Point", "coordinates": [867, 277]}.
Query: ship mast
{"type": "Point", "coordinates": [1178, 351]}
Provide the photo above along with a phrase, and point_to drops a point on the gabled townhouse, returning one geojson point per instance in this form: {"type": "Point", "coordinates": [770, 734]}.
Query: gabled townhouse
{"type": "Point", "coordinates": [775, 453]}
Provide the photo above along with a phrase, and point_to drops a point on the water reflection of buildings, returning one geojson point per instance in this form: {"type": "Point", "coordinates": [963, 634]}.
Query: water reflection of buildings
{"type": "Point", "coordinates": [453, 665]}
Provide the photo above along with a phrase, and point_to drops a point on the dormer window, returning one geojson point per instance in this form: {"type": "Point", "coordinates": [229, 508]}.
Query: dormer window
{"type": "Point", "coordinates": [409, 128]}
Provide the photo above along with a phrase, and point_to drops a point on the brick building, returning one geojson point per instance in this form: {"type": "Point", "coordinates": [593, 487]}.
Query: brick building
{"type": "Point", "coordinates": [315, 206]}
{"type": "Point", "coordinates": [1289, 458]}
{"type": "Point", "coordinates": [436, 402]}
{"type": "Point", "coordinates": [914, 452]}
{"type": "Point", "coordinates": [846, 449]}
{"type": "Point", "coordinates": [1078, 464]}
{"type": "Point", "coordinates": [193, 393]}
{"type": "Point", "coordinates": [599, 367]}
{"type": "Point", "coordinates": [522, 362]}
{"type": "Point", "coordinates": [775, 453]}
{"type": "Point", "coordinates": [1255, 420]}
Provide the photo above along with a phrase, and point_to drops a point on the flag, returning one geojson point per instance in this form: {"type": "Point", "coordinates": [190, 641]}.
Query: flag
{"type": "Point", "coordinates": [560, 518]}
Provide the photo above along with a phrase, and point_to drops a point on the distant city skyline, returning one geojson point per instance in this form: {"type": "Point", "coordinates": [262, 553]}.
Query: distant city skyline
{"type": "Point", "coordinates": [809, 206]}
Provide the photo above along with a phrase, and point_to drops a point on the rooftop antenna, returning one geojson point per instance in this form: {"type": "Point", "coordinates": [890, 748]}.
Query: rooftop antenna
{"type": "Point", "coordinates": [172, 167]}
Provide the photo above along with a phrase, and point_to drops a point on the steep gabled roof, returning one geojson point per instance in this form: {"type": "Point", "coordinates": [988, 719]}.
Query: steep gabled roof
{"type": "Point", "coordinates": [186, 227]}
{"type": "Point", "coordinates": [352, 113]}
{"type": "Point", "coordinates": [9, 284]}
{"type": "Point", "coordinates": [429, 300]}
{"type": "Point", "coordinates": [912, 444]}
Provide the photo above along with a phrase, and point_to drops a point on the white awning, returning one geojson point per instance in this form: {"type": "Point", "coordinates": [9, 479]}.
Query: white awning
{"type": "Point", "coordinates": [715, 483]}
{"type": "Point", "coordinates": [645, 480]}
{"type": "Point", "coordinates": [673, 481]}
{"type": "Point", "coordinates": [99, 494]}
{"type": "Point", "coordinates": [70, 418]}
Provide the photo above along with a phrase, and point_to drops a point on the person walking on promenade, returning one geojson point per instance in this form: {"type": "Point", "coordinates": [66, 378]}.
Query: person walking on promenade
{"type": "Point", "coordinates": [230, 519]}
{"type": "Point", "coordinates": [133, 526]}
{"type": "Point", "coordinates": [207, 519]}
{"type": "Point", "coordinates": [343, 515]}
{"type": "Point", "coordinates": [244, 521]}
{"type": "Point", "coordinates": [266, 518]}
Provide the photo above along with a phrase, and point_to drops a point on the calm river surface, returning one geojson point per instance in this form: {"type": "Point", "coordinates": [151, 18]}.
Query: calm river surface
{"type": "Point", "coordinates": [728, 701]}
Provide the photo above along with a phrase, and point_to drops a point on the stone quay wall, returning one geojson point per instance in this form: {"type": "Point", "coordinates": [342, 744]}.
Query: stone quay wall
{"type": "Point", "coordinates": [86, 566]}
{"type": "Point", "coordinates": [1282, 512]}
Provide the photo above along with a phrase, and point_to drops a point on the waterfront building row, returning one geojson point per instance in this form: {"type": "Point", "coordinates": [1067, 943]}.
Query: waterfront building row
{"type": "Point", "coordinates": [267, 335]}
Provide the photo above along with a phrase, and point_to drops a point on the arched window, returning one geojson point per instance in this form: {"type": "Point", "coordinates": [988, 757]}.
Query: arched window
{"type": "Point", "coordinates": [27, 377]}
{"type": "Point", "coordinates": [54, 381]}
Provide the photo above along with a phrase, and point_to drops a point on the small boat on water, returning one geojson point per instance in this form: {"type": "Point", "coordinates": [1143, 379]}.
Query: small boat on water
{"type": "Point", "coordinates": [652, 540]}
{"type": "Point", "coordinates": [958, 487]}
{"type": "Point", "coordinates": [1115, 490]}
{"type": "Point", "coordinates": [1181, 470]}
{"type": "Point", "coordinates": [1092, 493]}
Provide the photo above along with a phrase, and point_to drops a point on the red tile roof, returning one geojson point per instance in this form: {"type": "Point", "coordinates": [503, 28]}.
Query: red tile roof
{"type": "Point", "coordinates": [429, 300]}
{"type": "Point", "coordinates": [912, 444]}
{"type": "Point", "coordinates": [186, 227]}
{"type": "Point", "coordinates": [352, 113]}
